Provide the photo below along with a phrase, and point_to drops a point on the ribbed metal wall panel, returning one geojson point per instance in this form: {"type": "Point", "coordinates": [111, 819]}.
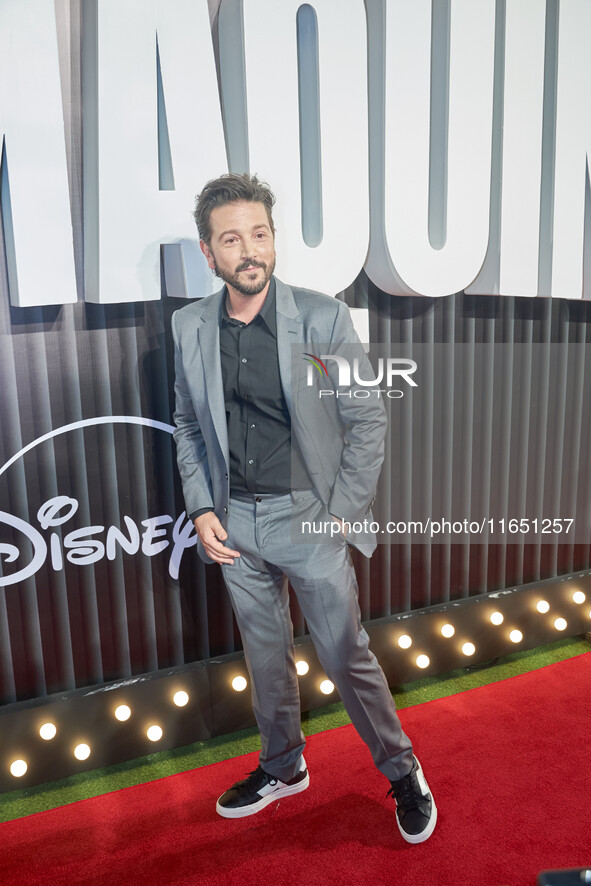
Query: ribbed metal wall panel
{"type": "Point", "coordinates": [127, 616]}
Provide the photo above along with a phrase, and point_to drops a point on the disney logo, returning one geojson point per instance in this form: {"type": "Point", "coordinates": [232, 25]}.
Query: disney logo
{"type": "Point", "coordinates": [89, 544]}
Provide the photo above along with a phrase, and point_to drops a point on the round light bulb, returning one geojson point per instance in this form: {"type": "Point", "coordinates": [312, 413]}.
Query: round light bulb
{"type": "Point", "coordinates": [423, 661]}
{"type": "Point", "coordinates": [180, 698]}
{"type": "Point", "coordinates": [560, 624]}
{"type": "Point", "coordinates": [516, 636]}
{"type": "Point", "coordinates": [82, 752]}
{"type": "Point", "coordinates": [123, 712]}
{"type": "Point", "coordinates": [239, 684]}
{"type": "Point", "coordinates": [468, 648]}
{"type": "Point", "coordinates": [18, 768]}
{"type": "Point", "coordinates": [543, 606]}
{"type": "Point", "coordinates": [326, 687]}
{"type": "Point", "coordinates": [497, 618]}
{"type": "Point", "coordinates": [48, 731]}
{"type": "Point", "coordinates": [448, 630]}
{"type": "Point", "coordinates": [302, 667]}
{"type": "Point", "coordinates": [154, 733]}
{"type": "Point", "coordinates": [579, 597]}
{"type": "Point", "coordinates": [405, 642]}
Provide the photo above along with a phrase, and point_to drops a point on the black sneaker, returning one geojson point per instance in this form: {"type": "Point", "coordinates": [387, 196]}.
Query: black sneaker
{"type": "Point", "coordinates": [416, 813]}
{"type": "Point", "coordinates": [249, 796]}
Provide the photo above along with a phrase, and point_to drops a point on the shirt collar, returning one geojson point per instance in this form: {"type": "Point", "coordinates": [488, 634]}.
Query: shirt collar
{"type": "Point", "coordinates": [267, 313]}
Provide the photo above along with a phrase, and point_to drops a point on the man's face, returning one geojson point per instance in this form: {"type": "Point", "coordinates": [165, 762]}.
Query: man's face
{"type": "Point", "coordinates": [242, 246]}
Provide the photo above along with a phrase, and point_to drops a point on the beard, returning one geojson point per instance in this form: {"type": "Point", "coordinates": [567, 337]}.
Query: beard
{"type": "Point", "coordinates": [246, 287]}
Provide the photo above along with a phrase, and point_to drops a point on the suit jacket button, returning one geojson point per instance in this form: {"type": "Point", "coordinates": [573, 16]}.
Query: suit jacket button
{"type": "Point", "coordinates": [225, 510]}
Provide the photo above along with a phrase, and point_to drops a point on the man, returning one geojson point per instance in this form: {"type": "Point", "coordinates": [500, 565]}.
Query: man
{"type": "Point", "coordinates": [257, 453]}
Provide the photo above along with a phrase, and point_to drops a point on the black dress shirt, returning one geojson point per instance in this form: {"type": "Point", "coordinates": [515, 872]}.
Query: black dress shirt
{"type": "Point", "coordinates": [258, 420]}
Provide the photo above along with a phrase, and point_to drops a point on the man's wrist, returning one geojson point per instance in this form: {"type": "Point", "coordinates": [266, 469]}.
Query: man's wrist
{"type": "Point", "coordinates": [194, 514]}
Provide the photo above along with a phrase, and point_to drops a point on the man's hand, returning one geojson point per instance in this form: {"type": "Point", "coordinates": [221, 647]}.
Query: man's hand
{"type": "Point", "coordinates": [211, 535]}
{"type": "Point", "coordinates": [341, 523]}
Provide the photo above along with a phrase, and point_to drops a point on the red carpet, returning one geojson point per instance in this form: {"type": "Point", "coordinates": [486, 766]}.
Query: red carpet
{"type": "Point", "coordinates": [509, 765]}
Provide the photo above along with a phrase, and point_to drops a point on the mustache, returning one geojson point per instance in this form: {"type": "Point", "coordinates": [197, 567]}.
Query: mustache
{"type": "Point", "coordinates": [251, 263]}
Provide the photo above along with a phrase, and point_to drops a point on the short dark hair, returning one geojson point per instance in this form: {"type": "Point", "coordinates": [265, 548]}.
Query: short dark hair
{"type": "Point", "coordinates": [230, 188]}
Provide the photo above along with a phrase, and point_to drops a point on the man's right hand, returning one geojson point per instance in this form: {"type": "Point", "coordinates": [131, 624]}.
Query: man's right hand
{"type": "Point", "coordinates": [211, 535]}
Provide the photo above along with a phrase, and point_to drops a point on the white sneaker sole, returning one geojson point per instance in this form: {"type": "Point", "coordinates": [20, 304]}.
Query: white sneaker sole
{"type": "Point", "coordinates": [424, 835]}
{"type": "Point", "coordinates": [287, 790]}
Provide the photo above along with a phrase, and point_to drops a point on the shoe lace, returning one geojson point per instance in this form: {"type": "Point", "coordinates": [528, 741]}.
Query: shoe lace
{"type": "Point", "coordinates": [259, 777]}
{"type": "Point", "coordinates": [405, 794]}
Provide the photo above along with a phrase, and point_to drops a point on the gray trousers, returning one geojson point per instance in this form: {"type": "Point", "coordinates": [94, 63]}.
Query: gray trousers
{"type": "Point", "coordinates": [324, 581]}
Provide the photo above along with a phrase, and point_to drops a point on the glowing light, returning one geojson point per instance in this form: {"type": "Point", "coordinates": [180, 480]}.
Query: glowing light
{"type": "Point", "coordinates": [239, 684]}
{"type": "Point", "coordinates": [48, 731]}
{"type": "Point", "coordinates": [326, 687]}
{"type": "Point", "coordinates": [123, 712]}
{"type": "Point", "coordinates": [497, 618]}
{"type": "Point", "coordinates": [18, 768]}
{"type": "Point", "coordinates": [468, 648]}
{"type": "Point", "coordinates": [82, 752]}
{"type": "Point", "coordinates": [154, 733]}
{"type": "Point", "coordinates": [579, 597]}
{"type": "Point", "coordinates": [302, 667]}
{"type": "Point", "coordinates": [560, 624]}
{"type": "Point", "coordinates": [405, 642]}
{"type": "Point", "coordinates": [423, 661]}
{"type": "Point", "coordinates": [448, 630]}
{"type": "Point", "coordinates": [181, 698]}
{"type": "Point", "coordinates": [516, 636]}
{"type": "Point", "coordinates": [543, 606]}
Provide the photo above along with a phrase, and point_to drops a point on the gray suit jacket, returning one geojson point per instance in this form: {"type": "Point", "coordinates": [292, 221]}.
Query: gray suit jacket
{"type": "Point", "coordinates": [341, 438]}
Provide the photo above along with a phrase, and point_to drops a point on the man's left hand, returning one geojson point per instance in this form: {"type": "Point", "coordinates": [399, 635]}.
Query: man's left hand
{"type": "Point", "coordinates": [341, 524]}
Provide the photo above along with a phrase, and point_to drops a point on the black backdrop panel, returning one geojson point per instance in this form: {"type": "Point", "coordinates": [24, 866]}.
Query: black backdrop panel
{"type": "Point", "coordinates": [95, 533]}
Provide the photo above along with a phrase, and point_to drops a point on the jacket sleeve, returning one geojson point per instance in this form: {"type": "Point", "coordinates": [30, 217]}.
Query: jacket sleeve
{"type": "Point", "coordinates": [365, 424]}
{"type": "Point", "coordinates": [191, 451]}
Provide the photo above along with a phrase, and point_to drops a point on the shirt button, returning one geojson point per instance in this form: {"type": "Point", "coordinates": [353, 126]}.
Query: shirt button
{"type": "Point", "coordinates": [253, 426]}
{"type": "Point", "coordinates": [244, 360]}
{"type": "Point", "coordinates": [251, 461]}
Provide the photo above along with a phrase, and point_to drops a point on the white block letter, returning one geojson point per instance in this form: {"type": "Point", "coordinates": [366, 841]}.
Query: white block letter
{"type": "Point", "coordinates": [403, 259]}
{"type": "Point", "coordinates": [573, 147]}
{"type": "Point", "coordinates": [152, 137]}
{"type": "Point", "coordinates": [34, 176]}
{"type": "Point", "coordinates": [306, 135]}
{"type": "Point", "coordinates": [514, 253]}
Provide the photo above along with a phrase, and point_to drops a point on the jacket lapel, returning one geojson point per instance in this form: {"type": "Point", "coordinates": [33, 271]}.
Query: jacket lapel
{"type": "Point", "coordinates": [208, 332]}
{"type": "Point", "coordinates": [290, 331]}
